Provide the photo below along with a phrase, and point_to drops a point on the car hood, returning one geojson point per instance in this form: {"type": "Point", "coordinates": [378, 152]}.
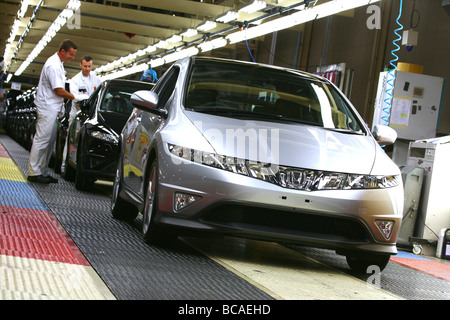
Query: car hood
{"type": "Point", "coordinates": [296, 145]}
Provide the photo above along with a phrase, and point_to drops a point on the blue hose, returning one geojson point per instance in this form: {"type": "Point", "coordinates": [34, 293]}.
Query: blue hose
{"type": "Point", "coordinates": [391, 73]}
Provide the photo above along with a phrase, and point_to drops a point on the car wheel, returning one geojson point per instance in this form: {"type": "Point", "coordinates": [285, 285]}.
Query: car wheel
{"type": "Point", "coordinates": [57, 164]}
{"type": "Point", "coordinates": [121, 209]}
{"type": "Point", "coordinates": [361, 263]}
{"type": "Point", "coordinates": [151, 232]}
{"type": "Point", "coordinates": [82, 182]}
{"type": "Point", "coordinates": [69, 172]}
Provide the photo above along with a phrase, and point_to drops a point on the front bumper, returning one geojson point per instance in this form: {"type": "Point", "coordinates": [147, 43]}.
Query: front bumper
{"type": "Point", "coordinates": [233, 204]}
{"type": "Point", "coordinates": [99, 159]}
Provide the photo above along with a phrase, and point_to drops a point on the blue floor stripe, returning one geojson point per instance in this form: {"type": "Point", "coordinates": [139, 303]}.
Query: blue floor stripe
{"type": "Point", "coordinates": [20, 194]}
{"type": "Point", "coordinates": [407, 255]}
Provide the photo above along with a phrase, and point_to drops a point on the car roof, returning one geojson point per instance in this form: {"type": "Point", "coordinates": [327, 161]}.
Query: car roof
{"type": "Point", "coordinates": [194, 59]}
{"type": "Point", "coordinates": [124, 81]}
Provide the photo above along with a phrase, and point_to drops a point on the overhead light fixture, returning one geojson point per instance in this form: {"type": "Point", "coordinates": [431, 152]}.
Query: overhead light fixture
{"type": "Point", "coordinates": [213, 44]}
{"type": "Point", "coordinates": [254, 6]}
{"type": "Point", "coordinates": [227, 17]}
{"type": "Point", "coordinates": [300, 16]}
{"type": "Point", "coordinates": [296, 18]}
{"type": "Point", "coordinates": [23, 8]}
{"type": "Point", "coordinates": [61, 20]}
{"type": "Point", "coordinates": [189, 33]}
{"type": "Point", "coordinates": [175, 38]}
{"type": "Point", "coordinates": [192, 51]}
{"type": "Point", "coordinates": [206, 26]}
{"type": "Point", "coordinates": [156, 62]}
{"type": "Point", "coordinates": [162, 44]}
{"type": "Point", "coordinates": [125, 72]}
{"type": "Point", "coordinates": [150, 49]}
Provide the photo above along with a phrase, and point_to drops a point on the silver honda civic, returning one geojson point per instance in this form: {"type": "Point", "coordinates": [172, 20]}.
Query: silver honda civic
{"type": "Point", "coordinates": [257, 151]}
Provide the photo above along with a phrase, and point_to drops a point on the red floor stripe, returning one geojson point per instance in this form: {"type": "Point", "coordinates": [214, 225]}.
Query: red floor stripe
{"type": "Point", "coordinates": [433, 268]}
{"type": "Point", "coordinates": [3, 152]}
{"type": "Point", "coordinates": [36, 234]}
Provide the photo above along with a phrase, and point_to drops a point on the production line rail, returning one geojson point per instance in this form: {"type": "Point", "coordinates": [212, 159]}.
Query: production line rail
{"type": "Point", "coordinates": [61, 243]}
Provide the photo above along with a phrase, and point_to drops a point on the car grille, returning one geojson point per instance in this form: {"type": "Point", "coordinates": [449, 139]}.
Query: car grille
{"type": "Point", "coordinates": [290, 223]}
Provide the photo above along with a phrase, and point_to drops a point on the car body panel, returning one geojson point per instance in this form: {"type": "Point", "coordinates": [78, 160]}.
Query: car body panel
{"type": "Point", "coordinates": [93, 135]}
{"type": "Point", "coordinates": [236, 204]}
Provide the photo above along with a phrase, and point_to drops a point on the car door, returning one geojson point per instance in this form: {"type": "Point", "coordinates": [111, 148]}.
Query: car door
{"type": "Point", "coordinates": [142, 128]}
{"type": "Point", "coordinates": [75, 130]}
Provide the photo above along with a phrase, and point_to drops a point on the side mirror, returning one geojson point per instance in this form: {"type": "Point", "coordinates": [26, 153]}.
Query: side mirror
{"type": "Point", "coordinates": [85, 106]}
{"type": "Point", "coordinates": [384, 135]}
{"type": "Point", "coordinates": [147, 101]}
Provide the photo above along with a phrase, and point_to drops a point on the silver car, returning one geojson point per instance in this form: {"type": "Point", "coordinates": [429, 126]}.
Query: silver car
{"type": "Point", "coordinates": [262, 152]}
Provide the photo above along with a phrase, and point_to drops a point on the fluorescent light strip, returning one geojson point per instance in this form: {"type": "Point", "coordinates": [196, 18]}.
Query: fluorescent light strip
{"type": "Point", "coordinates": [254, 6]}
{"type": "Point", "coordinates": [229, 16]}
{"type": "Point", "coordinates": [278, 24]}
{"type": "Point", "coordinates": [8, 55]}
{"type": "Point", "coordinates": [189, 33]}
{"type": "Point", "coordinates": [206, 26]}
{"type": "Point", "coordinates": [125, 72]}
{"type": "Point", "coordinates": [192, 51]}
{"type": "Point", "coordinates": [23, 8]}
{"type": "Point", "coordinates": [297, 18]}
{"type": "Point", "coordinates": [61, 20]}
{"type": "Point", "coordinates": [213, 44]}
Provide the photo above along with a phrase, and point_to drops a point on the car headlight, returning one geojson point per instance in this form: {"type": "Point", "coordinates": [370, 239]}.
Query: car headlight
{"type": "Point", "coordinates": [284, 176]}
{"type": "Point", "coordinates": [103, 136]}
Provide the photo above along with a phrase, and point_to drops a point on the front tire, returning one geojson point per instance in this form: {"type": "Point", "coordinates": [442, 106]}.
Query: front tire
{"type": "Point", "coordinates": [361, 263]}
{"type": "Point", "coordinates": [82, 182]}
{"type": "Point", "coordinates": [151, 232]}
{"type": "Point", "coordinates": [121, 209]}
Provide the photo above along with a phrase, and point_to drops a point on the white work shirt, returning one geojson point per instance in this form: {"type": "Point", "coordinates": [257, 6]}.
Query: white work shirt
{"type": "Point", "coordinates": [52, 76]}
{"type": "Point", "coordinates": [80, 84]}
{"type": "Point", "coordinates": [82, 87]}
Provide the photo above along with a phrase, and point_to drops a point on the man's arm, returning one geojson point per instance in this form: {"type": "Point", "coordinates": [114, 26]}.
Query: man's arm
{"type": "Point", "coordinates": [64, 93]}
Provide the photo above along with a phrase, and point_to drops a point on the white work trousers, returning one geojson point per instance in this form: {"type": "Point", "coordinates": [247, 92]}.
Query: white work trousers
{"type": "Point", "coordinates": [43, 142]}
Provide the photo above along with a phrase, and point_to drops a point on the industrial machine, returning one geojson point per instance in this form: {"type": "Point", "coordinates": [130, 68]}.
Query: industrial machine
{"type": "Point", "coordinates": [410, 103]}
{"type": "Point", "coordinates": [433, 155]}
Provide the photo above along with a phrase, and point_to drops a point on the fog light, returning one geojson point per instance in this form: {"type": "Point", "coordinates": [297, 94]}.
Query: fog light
{"type": "Point", "coordinates": [386, 227]}
{"type": "Point", "coordinates": [183, 200]}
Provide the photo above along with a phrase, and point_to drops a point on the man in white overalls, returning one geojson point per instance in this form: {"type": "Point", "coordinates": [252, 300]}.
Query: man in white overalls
{"type": "Point", "coordinates": [82, 85]}
{"type": "Point", "coordinates": [49, 101]}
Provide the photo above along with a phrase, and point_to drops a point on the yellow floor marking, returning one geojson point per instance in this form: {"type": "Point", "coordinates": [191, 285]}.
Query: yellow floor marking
{"type": "Point", "coordinates": [284, 273]}
{"type": "Point", "coordinates": [32, 279]}
{"type": "Point", "coordinates": [10, 171]}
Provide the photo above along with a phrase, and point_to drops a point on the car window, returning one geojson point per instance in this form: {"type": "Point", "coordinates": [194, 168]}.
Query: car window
{"type": "Point", "coordinates": [255, 91]}
{"type": "Point", "coordinates": [117, 96]}
{"type": "Point", "coordinates": [166, 87]}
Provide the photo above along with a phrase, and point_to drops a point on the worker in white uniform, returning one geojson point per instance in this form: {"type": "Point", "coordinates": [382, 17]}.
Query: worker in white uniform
{"type": "Point", "coordinates": [82, 85]}
{"type": "Point", "coordinates": [49, 101]}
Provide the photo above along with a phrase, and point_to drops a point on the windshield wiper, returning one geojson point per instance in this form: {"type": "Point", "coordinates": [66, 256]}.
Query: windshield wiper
{"type": "Point", "coordinates": [346, 131]}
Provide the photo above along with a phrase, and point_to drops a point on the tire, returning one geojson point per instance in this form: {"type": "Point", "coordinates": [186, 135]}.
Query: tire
{"type": "Point", "coordinates": [69, 172]}
{"type": "Point", "coordinates": [360, 263]}
{"type": "Point", "coordinates": [82, 182]}
{"type": "Point", "coordinates": [121, 209]}
{"type": "Point", "coordinates": [151, 232]}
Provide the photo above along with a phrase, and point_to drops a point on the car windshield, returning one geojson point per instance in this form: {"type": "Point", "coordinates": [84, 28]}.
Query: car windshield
{"type": "Point", "coordinates": [269, 94]}
{"type": "Point", "coordinates": [117, 98]}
